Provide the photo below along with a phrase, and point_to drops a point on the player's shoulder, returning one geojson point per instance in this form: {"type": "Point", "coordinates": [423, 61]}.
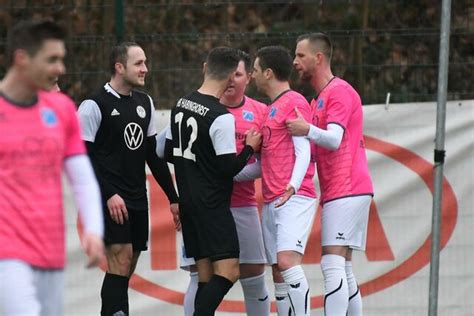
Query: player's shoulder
{"type": "Point", "coordinates": [341, 89]}
{"type": "Point", "coordinates": [254, 103]}
{"type": "Point", "coordinates": [340, 85]}
{"type": "Point", "coordinates": [57, 100]}
{"type": "Point", "coordinates": [292, 99]}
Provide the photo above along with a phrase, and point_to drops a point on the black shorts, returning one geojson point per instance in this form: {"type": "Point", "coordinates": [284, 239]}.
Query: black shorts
{"type": "Point", "coordinates": [134, 230]}
{"type": "Point", "coordinates": [210, 234]}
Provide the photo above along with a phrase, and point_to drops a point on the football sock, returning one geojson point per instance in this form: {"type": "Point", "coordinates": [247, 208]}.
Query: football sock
{"type": "Point", "coordinates": [298, 290]}
{"type": "Point", "coordinates": [211, 295]}
{"type": "Point", "coordinates": [200, 286]}
{"type": "Point", "coordinates": [355, 299]}
{"type": "Point", "coordinates": [114, 294]}
{"type": "Point", "coordinates": [257, 302]}
{"type": "Point", "coordinates": [282, 299]}
{"type": "Point", "coordinates": [336, 293]}
{"type": "Point", "coordinates": [190, 294]}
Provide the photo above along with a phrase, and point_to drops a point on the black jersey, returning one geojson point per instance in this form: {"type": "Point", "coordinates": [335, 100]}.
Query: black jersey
{"type": "Point", "coordinates": [201, 130]}
{"type": "Point", "coordinates": [118, 126]}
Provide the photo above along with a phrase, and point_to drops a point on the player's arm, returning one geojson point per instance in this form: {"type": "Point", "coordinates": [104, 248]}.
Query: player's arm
{"type": "Point", "coordinates": [250, 172]}
{"type": "Point", "coordinates": [329, 139]}
{"type": "Point", "coordinates": [86, 191]}
{"type": "Point", "coordinates": [302, 161]}
{"type": "Point", "coordinates": [90, 119]}
{"type": "Point", "coordinates": [222, 134]}
{"type": "Point", "coordinates": [159, 169]}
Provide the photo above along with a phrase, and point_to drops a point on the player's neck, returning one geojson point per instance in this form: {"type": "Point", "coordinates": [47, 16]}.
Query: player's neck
{"type": "Point", "coordinates": [232, 102]}
{"type": "Point", "coordinates": [17, 89]}
{"type": "Point", "coordinates": [276, 88]}
{"type": "Point", "coordinates": [320, 82]}
{"type": "Point", "coordinates": [120, 86]}
{"type": "Point", "coordinates": [213, 87]}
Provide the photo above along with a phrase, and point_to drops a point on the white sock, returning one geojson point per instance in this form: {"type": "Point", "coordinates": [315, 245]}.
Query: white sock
{"type": "Point", "coordinates": [355, 299]}
{"type": "Point", "coordinates": [336, 293]}
{"type": "Point", "coordinates": [282, 300]}
{"type": "Point", "coordinates": [298, 290]}
{"type": "Point", "coordinates": [257, 302]}
{"type": "Point", "coordinates": [190, 294]}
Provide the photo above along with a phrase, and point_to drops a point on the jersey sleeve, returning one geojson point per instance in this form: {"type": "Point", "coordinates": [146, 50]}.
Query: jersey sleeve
{"type": "Point", "coordinates": [73, 142]}
{"type": "Point", "coordinates": [339, 107]}
{"type": "Point", "coordinates": [89, 118]}
{"type": "Point", "coordinates": [151, 127]}
{"type": "Point", "coordinates": [222, 133]}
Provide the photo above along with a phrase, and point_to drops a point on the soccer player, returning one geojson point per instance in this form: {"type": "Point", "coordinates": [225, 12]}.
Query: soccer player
{"type": "Point", "coordinates": [287, 180]}
{"type": "Point", "coordinates": [248, 113]}
{"type": "Point", "coordinates": [119, 129]}
{"type": "Point", "coordinates": [40, 138]}
{"type": "Point", "coordinates": [201, 144]}
{"type": "Point", "coordinates": [346, 186]}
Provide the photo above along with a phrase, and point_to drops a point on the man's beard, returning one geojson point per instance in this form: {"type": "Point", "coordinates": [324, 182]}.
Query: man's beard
{"type": "Point", "coordinates": [306, 76]}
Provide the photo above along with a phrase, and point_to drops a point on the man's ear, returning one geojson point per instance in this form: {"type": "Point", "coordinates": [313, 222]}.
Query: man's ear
{"type": "Point", "coordinates": [268, 73]}
{"type": "Point", "coordinates": [319, 56]}
{"type": "Point", "coordinates": [119, 68]}
{"type": "Point", "coordinates": [20, 57]}
{"type": "Point", "coordinates": [204, 68]}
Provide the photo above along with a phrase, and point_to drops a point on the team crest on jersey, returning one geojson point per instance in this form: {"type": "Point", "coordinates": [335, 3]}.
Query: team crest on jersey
{"type": "Point", "coordinates": [49, 117]}
{"type": "Point", "coordinates": [141, 111]}
{"type": "Point", "coordinates": [320, 104]}
{"type": "Point", "coordinates": [273, 112]}
{"type": "Point", "coordinates": [248, 116]}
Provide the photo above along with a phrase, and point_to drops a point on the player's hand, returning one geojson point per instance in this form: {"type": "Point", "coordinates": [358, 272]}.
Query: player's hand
{"type": "Point", "coordinates": [118, 210]}
{"type": "Point", "coordinates": [286, 196]}
{"type": "Point", "coordinates": [94, 248]}
{"type": "Point", "coordinates": [298, 126]}
{"type": "Point", "coordinates": [253, 139]}
{"type": "Point", "coordinates": [174, 208]}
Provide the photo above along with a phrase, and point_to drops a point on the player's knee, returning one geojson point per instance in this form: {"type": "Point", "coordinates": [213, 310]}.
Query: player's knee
{"type": "Point", "coordinates": [233, 275]}
{"type": "Point", "coordinates": [120, 262]}
{"type": "Point", "coordinates": [286, 261]}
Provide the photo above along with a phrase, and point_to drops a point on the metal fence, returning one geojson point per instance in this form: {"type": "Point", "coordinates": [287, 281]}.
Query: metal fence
{"type": "Point", "coordinates": [380, 46]}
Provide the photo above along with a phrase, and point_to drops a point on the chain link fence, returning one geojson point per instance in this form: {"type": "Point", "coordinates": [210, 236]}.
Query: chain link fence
{"type": "Point", "coordinates": [380, 47]}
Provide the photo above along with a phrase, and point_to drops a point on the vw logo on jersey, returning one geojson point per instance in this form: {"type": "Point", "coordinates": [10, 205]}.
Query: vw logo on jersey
{"type": "Point", "coordinates": [247, 115]}
{"type": "Point", "coordinates": [320, 104]}
{"type": "Point", "coordinates": [49, 117]}
{"type": "Point", "coordinates": [133, 136]}
{"type": "Point", "coordinates": [141, 111]}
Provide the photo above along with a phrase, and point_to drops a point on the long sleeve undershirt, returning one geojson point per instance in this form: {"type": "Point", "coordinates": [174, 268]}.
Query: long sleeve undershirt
{"type": "Point", "coordinates": [329, 139]}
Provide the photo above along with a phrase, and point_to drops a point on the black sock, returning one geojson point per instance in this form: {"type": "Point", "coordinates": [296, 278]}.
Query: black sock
{"type": "Point", "coordinates": [211, 295]}
{"type": "Point", "coordinates": [198, 291]}
{"type": "Point", "coordinates": [114, 294]}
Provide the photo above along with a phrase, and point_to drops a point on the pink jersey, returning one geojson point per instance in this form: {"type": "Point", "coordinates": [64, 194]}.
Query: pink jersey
{"type": "Point", "coordinates": [278, 151]}
{"type": "Point", "coordinates": [34, 141]}
{"type": "Point", "coordinates": [343, 172]}
{"type": "Point", "coordinates": [250, 114]}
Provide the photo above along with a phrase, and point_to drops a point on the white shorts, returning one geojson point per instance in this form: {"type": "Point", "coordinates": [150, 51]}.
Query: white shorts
{"type": "Point", "coordinates": [344, 222]}
{"type": "Point", "coordinates": [249, 231]}
{"type": "Point", "coordinates": [287, 227]}
{"type": "Point", "coordinates": [25, 290]}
